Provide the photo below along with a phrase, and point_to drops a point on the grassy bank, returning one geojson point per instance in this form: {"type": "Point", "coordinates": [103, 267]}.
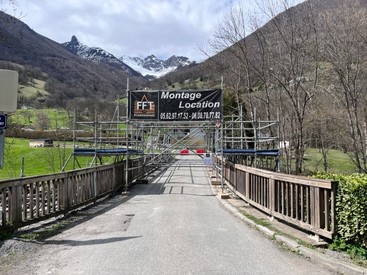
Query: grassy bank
{"type": "Point", "coordinates": [37, 161]}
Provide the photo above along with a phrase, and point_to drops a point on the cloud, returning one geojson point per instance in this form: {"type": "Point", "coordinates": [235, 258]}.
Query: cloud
{"type": "Point", "coordinates": [130, 27]}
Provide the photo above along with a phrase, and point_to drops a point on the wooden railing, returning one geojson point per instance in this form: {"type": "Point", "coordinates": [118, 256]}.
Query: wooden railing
{"type": "Point", "coordinates": [28, 200]}
{"type": "Point", "coordinates": [305, 202]}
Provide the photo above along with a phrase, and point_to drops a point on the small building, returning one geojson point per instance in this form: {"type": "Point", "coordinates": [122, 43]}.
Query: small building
{"type": "Point", "coordinates": [41, 143]}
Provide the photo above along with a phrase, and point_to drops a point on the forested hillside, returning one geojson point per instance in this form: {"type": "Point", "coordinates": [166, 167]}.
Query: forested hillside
{"type": "Point", "coordinates": [308, 64]}
{"type": "Point", "coordinates": [67, 77]}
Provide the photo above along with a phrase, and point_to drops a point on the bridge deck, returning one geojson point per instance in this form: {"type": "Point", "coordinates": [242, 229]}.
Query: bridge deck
{"type": "Point", "coordinates": [173, 225]}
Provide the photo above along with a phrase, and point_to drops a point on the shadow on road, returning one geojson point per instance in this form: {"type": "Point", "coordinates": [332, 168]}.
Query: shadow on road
{"type": "Point", "coordinates": [89, 242]}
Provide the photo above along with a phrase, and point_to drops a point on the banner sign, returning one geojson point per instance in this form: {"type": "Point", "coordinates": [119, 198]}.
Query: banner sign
{"type": "Point", "coordinates": [190, 105]}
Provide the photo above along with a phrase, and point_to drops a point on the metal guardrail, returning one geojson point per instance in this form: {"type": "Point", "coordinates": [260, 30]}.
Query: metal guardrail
{"type": "Point", "coordinates": [304, 202]}
{"type": "Point", "coordinates": [28, 200]}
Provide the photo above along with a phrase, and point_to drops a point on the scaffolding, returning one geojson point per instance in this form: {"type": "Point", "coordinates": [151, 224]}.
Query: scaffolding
{"type": "Point", "coordinates": [169, 143]}
{"type": "Point", "coordinates": [252, 142]}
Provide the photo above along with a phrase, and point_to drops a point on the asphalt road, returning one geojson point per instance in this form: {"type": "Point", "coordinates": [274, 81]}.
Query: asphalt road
{"type": "Point", "coordinates": [173, 225]}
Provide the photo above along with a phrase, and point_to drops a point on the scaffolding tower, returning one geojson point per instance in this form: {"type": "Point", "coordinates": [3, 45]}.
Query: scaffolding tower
{"type": "Point", "coordinates": [251, 142]}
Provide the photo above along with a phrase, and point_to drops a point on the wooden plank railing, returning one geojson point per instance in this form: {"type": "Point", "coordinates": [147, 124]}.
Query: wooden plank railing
{"type": "Point", "coordinates": [305, 202]}
{"type": "Point", "coordinates": [27, 200]}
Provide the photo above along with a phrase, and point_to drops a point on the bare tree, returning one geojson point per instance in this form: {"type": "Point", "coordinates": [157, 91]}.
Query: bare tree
{"type": "Point", "coordinates": [275, 63]}
{"type": "Point", "coordinates": [294, 53]}
{"type": "Point", "coordinates": [42, 121]}
{"type": "Point", "coordinates": [345, 49]}
{"type": "Point", "coordinates": [229, 42]}
{"type": "Point", "coordinates": [13, 4]}
{"type": "Point", "coordinates": [326, 129]}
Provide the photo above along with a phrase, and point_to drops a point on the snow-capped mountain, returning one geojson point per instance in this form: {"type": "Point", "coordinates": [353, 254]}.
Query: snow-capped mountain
{"type": "Point", "coordinates": [150, 67]}
{"type": "Point", "coordinates": [153, 67]}
{"type": "Point", "coordinates": [97, 55]}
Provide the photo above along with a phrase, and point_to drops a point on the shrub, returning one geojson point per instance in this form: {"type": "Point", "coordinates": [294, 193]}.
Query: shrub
{"type": "Point", "coordinates": [351, 208]}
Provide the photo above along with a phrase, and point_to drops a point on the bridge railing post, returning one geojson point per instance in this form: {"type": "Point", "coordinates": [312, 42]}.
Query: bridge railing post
{"type": "Point", "coordinates": [272, 198]}
{"type": "Point", "coordinates": [15, 204]}
{"type": "Point", "coordinates": [247, 185]}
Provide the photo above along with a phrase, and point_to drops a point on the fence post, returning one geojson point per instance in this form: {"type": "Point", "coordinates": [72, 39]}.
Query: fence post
{"type": "Point", "coordinates": [315, 210]}
{"type": "Point", "coordinates": [247, 185]}
{"type": "Point", "coordinates": [114, 177]}
{"type": "Point", "coordinates": [15, 205]}
{"type": "Point", "coordinates": [272, 198]}
{"type": "Point", "coordinates": [95, 190]}
{"type": "Point", "coordinates": [234, 176]}
{"type": "Point", "coordinates": [65, 192]}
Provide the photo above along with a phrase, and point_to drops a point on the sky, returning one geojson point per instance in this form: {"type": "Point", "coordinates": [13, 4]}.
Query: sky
{"type": "Point", "coordinates": [135, 28]}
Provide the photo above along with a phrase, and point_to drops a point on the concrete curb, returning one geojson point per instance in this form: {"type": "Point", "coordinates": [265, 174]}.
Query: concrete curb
{"type": "Point", "coordinates": [334, 264]}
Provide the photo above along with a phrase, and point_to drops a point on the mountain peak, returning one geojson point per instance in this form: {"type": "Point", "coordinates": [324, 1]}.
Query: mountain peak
{"type": "Point", "coordinates": [153, 67]}
{"type": "Point", "coordinates": [74, 40]}
{"type": "Point", "coordinates": [74, 46]}
{"type": "Point", "coordinates": [176, 61]}
{"type": "Point", "coordinates": [97, 55]}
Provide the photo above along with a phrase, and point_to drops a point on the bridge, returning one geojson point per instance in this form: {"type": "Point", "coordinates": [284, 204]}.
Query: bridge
{"type": "Point", "coordinates": [173, 224]}
{"type": "Point", "coordinates": [148, 204]}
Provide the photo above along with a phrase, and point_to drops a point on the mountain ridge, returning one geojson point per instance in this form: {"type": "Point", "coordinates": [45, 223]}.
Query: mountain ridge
{"type": "Point", "coordinates": [153, 67]}
{"type": "Point", "coordinates": [97, 54]}
{"type": "Point", "coordinates": [150, 67]}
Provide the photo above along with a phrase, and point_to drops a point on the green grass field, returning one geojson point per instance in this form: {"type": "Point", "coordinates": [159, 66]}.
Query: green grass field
{"type": "Point", "coordinates": [37, 161]}
{"type": "Point", "coordinates": [338, 162]}
{"type": "Point", "coordinates": [58, 117]}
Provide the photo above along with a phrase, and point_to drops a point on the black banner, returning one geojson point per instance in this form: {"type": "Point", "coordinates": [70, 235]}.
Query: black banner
{"type": "Point", "coordinates": [204, 105]}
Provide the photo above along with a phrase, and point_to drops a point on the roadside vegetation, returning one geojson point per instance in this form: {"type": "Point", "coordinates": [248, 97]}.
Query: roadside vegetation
{"type": "Point", "coordinates": [351, 215]}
